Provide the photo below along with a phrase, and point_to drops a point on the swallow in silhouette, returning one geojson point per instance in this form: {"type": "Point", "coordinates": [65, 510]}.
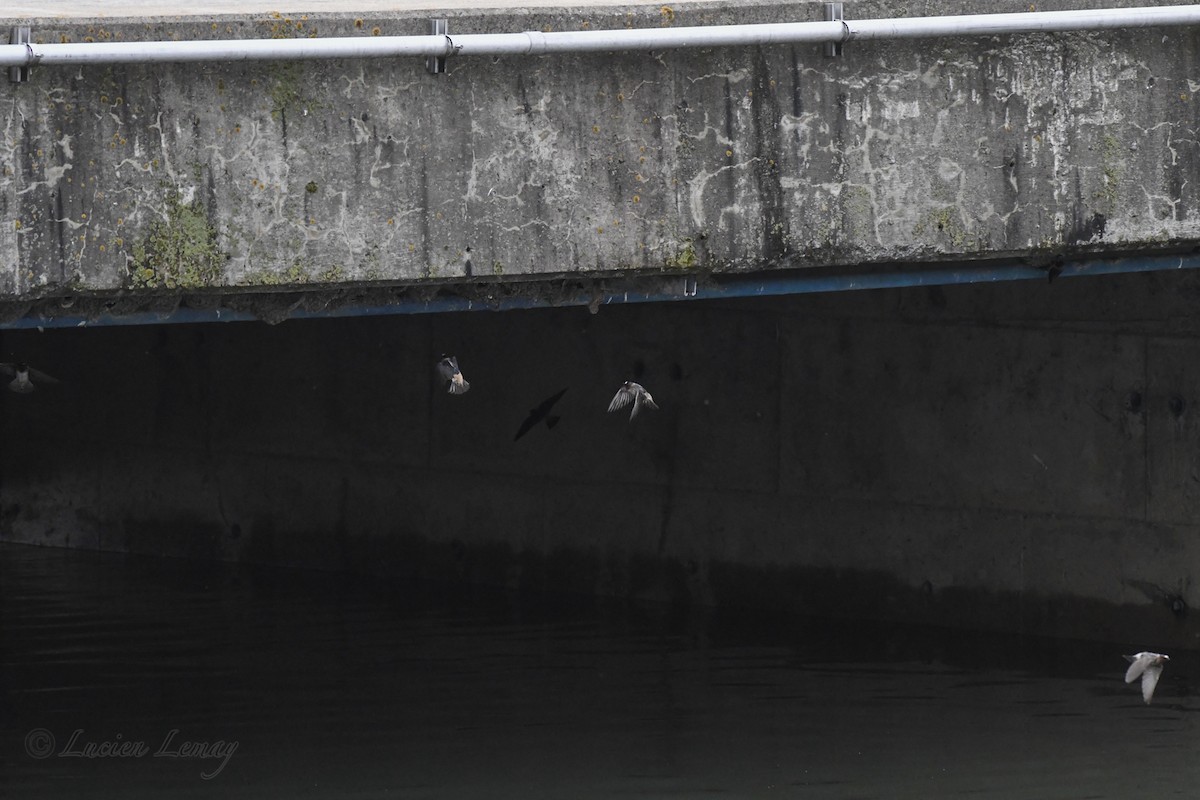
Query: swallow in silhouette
{"type": "Point", "coordinates": [635, 393]}
{"type": "Point", "coordinates": [541, 412]}
{"type": "Point", "coordinates": [24, 377]}
{"type": "Point", "coordinates": [448, 370]}
{"type": "Point", "coordinates": [1149, 666]}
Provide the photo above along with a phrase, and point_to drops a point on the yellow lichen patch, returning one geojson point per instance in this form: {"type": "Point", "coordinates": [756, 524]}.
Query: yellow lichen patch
{"type": "Point", "coordinates": [178, 252]}
{"type": "Point", "coordinates": [668, 15]}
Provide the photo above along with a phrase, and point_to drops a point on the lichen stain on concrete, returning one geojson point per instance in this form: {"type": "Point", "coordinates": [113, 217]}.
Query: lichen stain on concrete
{"type": "Point", "coordinates": [294, 275]}
{"type": "Point", "coordinates": [285, 88]}
{"type": "Point", "coordinates": [1113, 167]}
{"type": "Point", "coordinates": [683, 258]}
{"type": "Point", "coordinates": [178, 252]}
{"type": "Point", "coordinates": [943, 222]}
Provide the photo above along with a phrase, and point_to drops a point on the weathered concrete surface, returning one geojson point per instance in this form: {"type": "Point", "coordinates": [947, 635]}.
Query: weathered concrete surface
{"type": "Point", "coordinates": [1018, 456]}
{"type": "Point", "coordinates": [128, 181]}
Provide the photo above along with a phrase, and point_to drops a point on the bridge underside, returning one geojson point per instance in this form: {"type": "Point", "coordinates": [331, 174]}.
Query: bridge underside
{"type": "Point", "coordinates": [1019, 455]}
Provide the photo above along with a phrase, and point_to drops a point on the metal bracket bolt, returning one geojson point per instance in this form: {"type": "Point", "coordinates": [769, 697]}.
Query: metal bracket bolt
{"type": "Point", "coordinates": [833, 13]}
{"type": "Point", "coordinates": [20, 35]}
{"type": "Point", "coordinates": [437, 64]}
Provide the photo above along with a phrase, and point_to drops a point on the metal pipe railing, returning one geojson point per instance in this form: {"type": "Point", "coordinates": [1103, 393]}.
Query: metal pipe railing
{"type": "Point", "coordinates": [538, 43]}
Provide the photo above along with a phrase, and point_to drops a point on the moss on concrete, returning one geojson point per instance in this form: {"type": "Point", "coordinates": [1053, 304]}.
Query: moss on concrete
{"type": "Point", "coordinates": [943, 222]}
{"type": "Point", "coordinates": [683, 258]}
{"type": "Point", "coordinates": [294, 275]}
{"type": "Point", "coordinates": [335, 274]}
{"type": "Point", "coordinates": [179, 252]}
{"type": "Point", "coordinates": [286, 80]}
{"type": "Point", "coordinates": [1112, 165]}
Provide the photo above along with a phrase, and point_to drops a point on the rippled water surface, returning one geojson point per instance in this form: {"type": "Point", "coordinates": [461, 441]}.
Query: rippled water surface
{"type": "Point", "coordinates": [274, 684]}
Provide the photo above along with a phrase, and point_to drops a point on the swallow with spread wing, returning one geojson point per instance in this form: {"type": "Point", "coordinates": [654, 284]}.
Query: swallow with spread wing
{"type": "Point", "coordinates": [635, 393]}
{"type": "Point", "coordinates": [24, 377]}
{"type": "Point", "coordinates": [1149, 666]}
{"type": "Point", "coordinates": [448, 369]}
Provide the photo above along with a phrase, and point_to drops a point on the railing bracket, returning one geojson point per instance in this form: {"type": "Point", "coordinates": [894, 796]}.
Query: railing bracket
{"type": "Point", "coordinates": [834, 13]}
{"type": "Point", "coordinates": [437, 64]}
{"type": "Point", "coordinates": [20, 35]}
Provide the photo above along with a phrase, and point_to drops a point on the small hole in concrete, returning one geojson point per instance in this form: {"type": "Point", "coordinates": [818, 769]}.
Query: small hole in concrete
{"type": "Point", "coordinates": [1176, 405]}
{"type": "Point", "coordinates": [235, 531]}
{"type": "Point", "coordinates": [1133, 403]}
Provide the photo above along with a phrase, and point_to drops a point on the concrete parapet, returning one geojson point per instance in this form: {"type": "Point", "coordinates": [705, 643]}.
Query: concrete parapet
{"type": "Point", "coordinates": [134, 183]}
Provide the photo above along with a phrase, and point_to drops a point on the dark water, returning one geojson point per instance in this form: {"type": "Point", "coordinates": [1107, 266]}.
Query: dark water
{"type": "Point", "coordinates": [308, 685]}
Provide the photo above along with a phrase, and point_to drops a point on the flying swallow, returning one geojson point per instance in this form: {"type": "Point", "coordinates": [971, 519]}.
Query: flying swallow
{"type": "Point", "coordinates": [448, 370]}
{"type": "Point", "coordinates": [635, 393]}
{"type": "Point", "coordinates": [23, 377]}
{"type": "Point", "coordinates": [541, 412]}
{"type": "Point", "coordinates": [1149, 666]}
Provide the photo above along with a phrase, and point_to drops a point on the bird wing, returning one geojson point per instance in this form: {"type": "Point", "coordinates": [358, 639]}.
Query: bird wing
{"type": "Point", "coordinates": [621, 399]}
{"type": "Point", "coordinates": [539, 413]}
{"type": "Point", "coordinates": [42, 377]}
{"type": "Point", "coordinates": [526, 426]}
{"type": "Point", "coordinates": [447, 368]}
{"type": "Point", "coordinates": [1137, 665]}
{"type": "Point", "coordinates": [637, 404]}
{"type": "Point", "coordinates": [543, 408]}
{"type": "Point", "coordinates": [649, 401]}
{"type": "Point", "coordinates": [1150, 680]}
{"type": "Point", "coordinates": [9, 370]}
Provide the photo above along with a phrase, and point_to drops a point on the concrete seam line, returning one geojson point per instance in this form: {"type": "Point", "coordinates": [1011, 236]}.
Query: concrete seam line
{"type": "Point", "coordinates": [533, 42]}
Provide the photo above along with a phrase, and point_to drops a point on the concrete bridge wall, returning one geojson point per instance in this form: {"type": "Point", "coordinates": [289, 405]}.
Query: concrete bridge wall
{"type": "Point", "coordinates": [1017, 456]}
{"type": "Point", "coordinates": [140, 184]}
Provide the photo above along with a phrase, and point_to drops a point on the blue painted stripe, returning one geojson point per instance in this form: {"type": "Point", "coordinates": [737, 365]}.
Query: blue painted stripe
{"type": "Point", "coordinates": [686, 287]}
